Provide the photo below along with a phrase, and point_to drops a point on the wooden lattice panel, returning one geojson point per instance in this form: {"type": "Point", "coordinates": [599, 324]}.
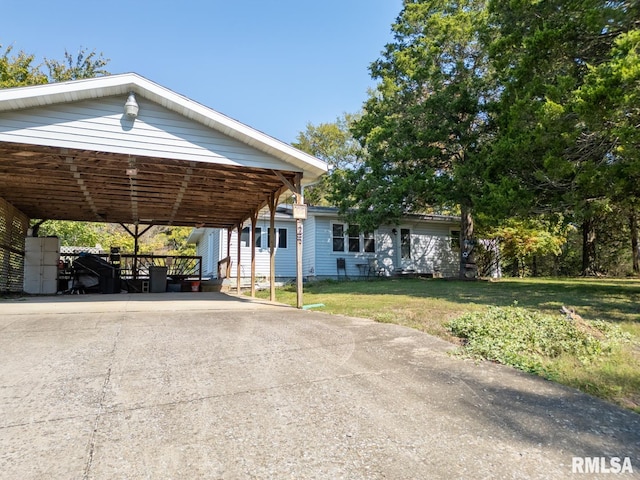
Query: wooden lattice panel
{"type": "Point", "coordinates": [13, 229]}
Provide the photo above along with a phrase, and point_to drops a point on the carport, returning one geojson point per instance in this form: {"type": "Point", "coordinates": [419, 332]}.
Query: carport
{"type": "Point", "coordinates": [122, 149]}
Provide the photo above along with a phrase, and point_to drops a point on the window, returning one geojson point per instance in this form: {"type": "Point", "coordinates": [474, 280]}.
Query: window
{"type": "Point", "coordinates": [354, 238]}
{"type": "Point", "coordinates": [338, 237]}
{"type": "Point", "coordinates": [455, 239]}
{"type": "Point", "coordinates": [281, 237]}
{"type": "Point", "coordinates": [369, 242]}
{"type": "Point", "coordinates": [258, 237]}
{"type": "Point", "coordinates": [349, 236]}
{"type": "Point", "coordinates": [405, 243]}
{"type": "Point", "coordinates": [244, 237]}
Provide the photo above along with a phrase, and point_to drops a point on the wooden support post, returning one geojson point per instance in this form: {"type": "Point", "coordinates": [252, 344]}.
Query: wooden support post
{"type": "Point", "coordinates": [254, 221]}
{"type": "Point", "coordinates": [299, 283]}
{"type": "Point", "coordinates": [272, 246]}
{"type": "Point", "coordinates": [238, 266]}
{"type": "Point", "coordinates": [136, 236]}
{"type": "Point", "coordinates": [229, 234]}
{"type": "Point", "coordinates": [136, 248]}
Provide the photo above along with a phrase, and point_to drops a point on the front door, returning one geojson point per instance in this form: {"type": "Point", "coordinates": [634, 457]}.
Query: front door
{"type": "Point", "coordinates": [406, 262]}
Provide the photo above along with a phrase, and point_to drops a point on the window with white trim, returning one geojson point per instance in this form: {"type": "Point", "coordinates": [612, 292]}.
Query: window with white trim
{"type": "Point", "coordinates": [354, 238]}
{"type": "Point", "coordinates": [258, 237]}
{"type": "Point", "coordinates": [455, 239]}
{"type": "Point", "coordinates": [281, 237]}
{"type": "Point", "coordinates": [405, 244]}
{"type": "Point", "coordinates": [338, 237]}
{"type": "Point", "coordinates": [369, 242]}
{"type": "Point", "coordinates": [349, 238]}
{"type": "Point", "coordinates": [244, 237]}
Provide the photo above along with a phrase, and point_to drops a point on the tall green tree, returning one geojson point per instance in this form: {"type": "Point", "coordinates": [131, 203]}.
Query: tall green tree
{"type": "Point", "coordinates": [546, 156]}
{"type": "Point", "coordinates": [424, 125]}
{"type": "Point", "coordinates": [609, 102]}
{"type": "Point", "coordinates": [333, 143]}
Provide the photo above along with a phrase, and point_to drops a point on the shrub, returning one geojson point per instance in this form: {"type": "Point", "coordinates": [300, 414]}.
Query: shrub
{"type": "Point", "coordinates": [530, 340]}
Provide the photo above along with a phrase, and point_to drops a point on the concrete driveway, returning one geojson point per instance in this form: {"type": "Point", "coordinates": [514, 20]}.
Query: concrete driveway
{"type": "Point", "coordinates": [211, 386]}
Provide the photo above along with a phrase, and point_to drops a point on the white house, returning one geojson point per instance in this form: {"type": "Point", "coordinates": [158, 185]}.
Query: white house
{"type": "Point", "coordinates": [420, 244]}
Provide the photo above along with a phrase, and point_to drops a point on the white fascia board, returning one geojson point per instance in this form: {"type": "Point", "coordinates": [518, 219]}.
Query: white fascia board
{"type": "Point", "coordinates": [78, 90]}
{"type": "Point", "coordinates": [411, 218]}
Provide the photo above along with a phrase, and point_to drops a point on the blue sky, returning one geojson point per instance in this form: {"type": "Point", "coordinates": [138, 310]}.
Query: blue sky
{"type": "Point", "coordinates": [274, 65]}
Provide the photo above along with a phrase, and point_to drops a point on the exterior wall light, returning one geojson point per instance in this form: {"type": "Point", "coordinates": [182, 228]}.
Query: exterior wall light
{"type": "Point", "coordinates": [131, 106]}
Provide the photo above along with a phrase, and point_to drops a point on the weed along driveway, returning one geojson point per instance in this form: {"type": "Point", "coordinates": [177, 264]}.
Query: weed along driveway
{"type": "Point", "coordinates": [209, 386]}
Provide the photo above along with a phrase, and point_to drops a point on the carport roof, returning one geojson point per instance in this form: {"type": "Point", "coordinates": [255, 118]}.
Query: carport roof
{"type": "Point", "coordinates": [67, 151]}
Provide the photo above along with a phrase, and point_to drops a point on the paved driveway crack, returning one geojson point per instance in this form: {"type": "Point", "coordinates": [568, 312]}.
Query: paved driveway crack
{"type": "Point", "coordinates": [103, 394]}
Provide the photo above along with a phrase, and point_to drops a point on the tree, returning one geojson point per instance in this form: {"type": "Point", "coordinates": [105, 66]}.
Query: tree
{"type": "Point", "coordinates": [71, 233]}
{"type": "Point", "coordinates": [608, 101]}
{"type": "Point", "coordinates": [523, 241]}
{"type": "Point", "coordinates": [546, 156]}
{"type": "Point", "coordinates": [19, 70]}
{"type": "Point", "coordinates": [83, 65]}
{"type": "Point", "coordinates": [424, 125]}
{"type": "Point", "coordinates": [333, 143]}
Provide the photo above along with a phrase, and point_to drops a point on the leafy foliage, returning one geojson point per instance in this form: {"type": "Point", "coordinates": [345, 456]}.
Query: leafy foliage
{"type": "Point", "coordinates": [555, 148]}
{"type": "Point", "coordinates": [521, 240]}
{"type": "Point", "coordinates": [424, 125]}
{"type": "Point", "coordinates": [19, 70]}
{"type": "Point", "coordinates": [83, 65]}
{"type": "Point", "coordinates": [333, 143]}
{"type": "Point", "coordinates": [72, 233]}
{"type": "Point", "coordinates": [159, 240]}
{"type": "Point", "coordinates": [528, 339]}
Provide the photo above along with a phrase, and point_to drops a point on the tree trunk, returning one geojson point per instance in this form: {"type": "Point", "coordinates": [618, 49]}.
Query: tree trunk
{"type": "Point", "coordinates": [635, 251]}
{"type": "Point", "coordinates": [468, 268]}
{"type": "Point", "coordinates": [589, 267]}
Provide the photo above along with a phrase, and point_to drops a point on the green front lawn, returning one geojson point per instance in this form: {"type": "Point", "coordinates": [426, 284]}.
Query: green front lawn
{"type": "Point", "coordinates": [429, 304]}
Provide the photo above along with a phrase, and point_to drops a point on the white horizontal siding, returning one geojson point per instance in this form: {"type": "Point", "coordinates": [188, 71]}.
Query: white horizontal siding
{"type": "Point", "coordinates": [309, 247]}
{"type": "Point", "coordinates": [327, 259]}
{"type": "Point", "coordinates": [431, 249]}
{"type": "Point", "coordinates": [285, 257]}
{"type": "Point", "coordinates": [430, 242]}
{"type": "Point", "coordinates": [157, 132]}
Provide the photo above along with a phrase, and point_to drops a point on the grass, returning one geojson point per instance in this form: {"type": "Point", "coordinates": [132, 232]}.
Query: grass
{"type": "Point", "coordinates": [430, 304]}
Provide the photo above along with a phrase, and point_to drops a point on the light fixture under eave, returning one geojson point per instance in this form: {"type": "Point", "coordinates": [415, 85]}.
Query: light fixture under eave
{"type": "Point", "coordinates": [131, 106]}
